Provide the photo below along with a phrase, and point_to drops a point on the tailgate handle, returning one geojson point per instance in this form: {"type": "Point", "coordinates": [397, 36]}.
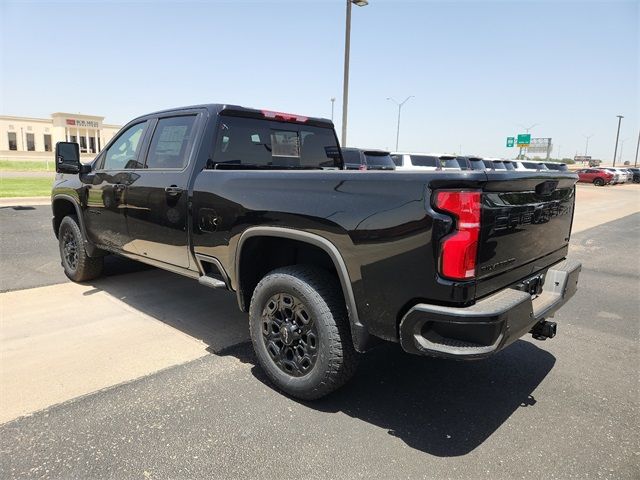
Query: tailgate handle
{"type": "Point", "coordinates": [546, 188]}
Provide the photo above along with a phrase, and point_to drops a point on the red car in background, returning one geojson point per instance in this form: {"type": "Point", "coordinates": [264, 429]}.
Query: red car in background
{"type": "Point", "coordinates": [597, 176]}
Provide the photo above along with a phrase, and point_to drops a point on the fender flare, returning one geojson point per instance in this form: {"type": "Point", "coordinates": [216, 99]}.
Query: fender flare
{"type": "Point", "coordinates": [89, 247]}
{"type": "Point", "coordinates": [359, 332]}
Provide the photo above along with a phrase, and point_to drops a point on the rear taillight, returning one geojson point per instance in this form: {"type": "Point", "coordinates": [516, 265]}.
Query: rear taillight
{"type": "Point", "coordinates": [459, 250]}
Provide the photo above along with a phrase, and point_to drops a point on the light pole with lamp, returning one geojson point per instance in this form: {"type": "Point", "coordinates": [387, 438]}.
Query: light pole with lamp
{"type": "Point", "coordinates": [400, 104]}
{"type": "Point", "coordinates": [345, 85]}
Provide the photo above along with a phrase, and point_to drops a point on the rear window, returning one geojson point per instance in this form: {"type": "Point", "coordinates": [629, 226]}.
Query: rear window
{"type": "Point", "coordinates": [498, 165]}
{"type": "Point", "coordinates": [254, 143]}
{"type": "Point", "coordinates": [449, 163]}
{"type": "Point", "coordinates": [379, 160]}
{"type": "Point", "coordinates": [477, 164]}
{"type": "Point", "coordinates": [397, 160]}
{"type": "Point", "coordinates": [424, 160]}
{"type": "Point", "coordinates": [351, 158]}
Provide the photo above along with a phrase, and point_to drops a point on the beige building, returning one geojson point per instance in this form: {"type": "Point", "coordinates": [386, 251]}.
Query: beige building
{"type": "Point", "coordinates": [23, 138]}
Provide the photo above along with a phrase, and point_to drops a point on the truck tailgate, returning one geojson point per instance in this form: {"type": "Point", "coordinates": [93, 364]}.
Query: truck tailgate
{"type": "Point", "coordinates": [525, 225]}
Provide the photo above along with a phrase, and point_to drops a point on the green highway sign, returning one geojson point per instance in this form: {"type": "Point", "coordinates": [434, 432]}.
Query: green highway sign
{"type": "Point", "coordinates": [510, 141]}
{"type": "Point", "coordinates": [524, 139]}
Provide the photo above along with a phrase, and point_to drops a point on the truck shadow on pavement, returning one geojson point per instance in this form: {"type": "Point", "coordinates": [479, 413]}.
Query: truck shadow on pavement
{"type": "Point", "coordinates": [442, 407]}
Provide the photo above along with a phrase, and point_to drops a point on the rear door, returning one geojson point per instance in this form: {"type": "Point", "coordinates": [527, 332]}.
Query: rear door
{"type": "Point", "coordinates": [157, 202]}
{"type": "Point", "coordinates": [525, 224]}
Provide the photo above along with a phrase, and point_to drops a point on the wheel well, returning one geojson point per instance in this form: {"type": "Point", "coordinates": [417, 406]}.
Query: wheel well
{"type": "Point", "coordinates": [61, 208]}
{"type": "Point", "coordinates": [260, 255]}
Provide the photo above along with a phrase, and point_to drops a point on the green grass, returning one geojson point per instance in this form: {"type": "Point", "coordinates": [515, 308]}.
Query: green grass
{"type": "Point", "coordinates": [26, 166]}
{"type": "Point", "coordinates": [25, 187]}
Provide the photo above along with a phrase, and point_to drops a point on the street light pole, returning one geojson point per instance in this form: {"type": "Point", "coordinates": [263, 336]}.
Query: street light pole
{"type": "Point", "coordinates": [586, 147]}
{"type": "Point", "coordinates": [621, 148]}
{"type": "Point", "coordinates": [345, 84]}
{"type": "Point", "coordinates": [615, 151]}
{"type": "Point", "coordinates": [333, 101]}
{"type": "Point", "coordinates": [400, 104]}
{"type": "Point", "coordinates": [635, 164]}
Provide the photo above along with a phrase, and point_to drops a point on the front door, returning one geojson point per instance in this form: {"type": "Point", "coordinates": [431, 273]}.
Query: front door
{"type": "Point", "coordinates": [157, 202]}
{"type": "Point", "coordinates": [104, 213]}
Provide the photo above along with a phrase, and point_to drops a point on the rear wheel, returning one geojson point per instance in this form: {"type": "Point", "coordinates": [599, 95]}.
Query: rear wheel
{"type": "Point", "coordinates": [300, 331]}
{"type": "Point", "coordinates": [598, 182]}
{"type": "Point", "coordinates": [78, 266]}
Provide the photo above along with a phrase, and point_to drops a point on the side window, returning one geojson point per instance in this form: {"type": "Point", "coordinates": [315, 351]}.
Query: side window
{"type": "Point", "coordinates": [123, 154]}
{"type": "Point", "coordinates": [397, 159]}
{"type": "Point", "coordinates": [169, 143]}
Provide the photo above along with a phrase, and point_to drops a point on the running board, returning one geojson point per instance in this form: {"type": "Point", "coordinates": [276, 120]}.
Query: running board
{"type": "Point", "coordinates": [211, 282]}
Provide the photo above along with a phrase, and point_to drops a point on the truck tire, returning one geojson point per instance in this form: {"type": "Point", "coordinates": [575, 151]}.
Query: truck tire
{"type": "Point", "coordinates": [300, 331]}
{"type": "Point", "coordinates": [598, 182]}
{"type": "Point", "coordinates": [78, 266]}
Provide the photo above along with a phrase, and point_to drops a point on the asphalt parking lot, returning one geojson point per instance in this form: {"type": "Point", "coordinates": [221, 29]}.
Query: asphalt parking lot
{"type": "Point", "coordinates": [564, 408]}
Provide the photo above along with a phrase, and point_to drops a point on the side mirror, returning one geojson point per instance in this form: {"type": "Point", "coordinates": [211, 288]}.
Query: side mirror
{"type": "Point", "coordinates": [68, 158]}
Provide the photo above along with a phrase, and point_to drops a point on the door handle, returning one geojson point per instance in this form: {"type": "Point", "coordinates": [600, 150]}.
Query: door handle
{"type": "Point", "coordinates": [173, 191]}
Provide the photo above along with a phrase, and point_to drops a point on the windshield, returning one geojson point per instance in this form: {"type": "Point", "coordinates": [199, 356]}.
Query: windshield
{"type": "Point", "coordinates": [424, 161]}
{"type": "Point", "coordinates": [379, 160]}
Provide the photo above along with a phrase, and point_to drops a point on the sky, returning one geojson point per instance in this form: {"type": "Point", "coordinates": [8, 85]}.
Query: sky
{"type": "Point", "coordinates": [479, 71]}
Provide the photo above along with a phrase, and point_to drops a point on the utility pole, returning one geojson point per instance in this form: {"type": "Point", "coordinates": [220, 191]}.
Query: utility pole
{"type": "Point", "coordinates": [400, 104]}
{"type": "Point", "coordinates": [586, 147]}
{"type": "Point", "coordinates": [333, 101]}
{"type": "Point", "coordinates": [615, 151]}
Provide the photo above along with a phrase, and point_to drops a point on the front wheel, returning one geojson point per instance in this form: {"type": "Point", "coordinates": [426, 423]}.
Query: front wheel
{"type": "Point", "coordinates": [598, 182]}
{"type": "Point", "coordinates": [78, 266]}
{"type": "Point", "coordinates": [300, 331]}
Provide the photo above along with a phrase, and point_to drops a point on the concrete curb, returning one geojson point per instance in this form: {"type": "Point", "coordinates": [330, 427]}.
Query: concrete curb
{"type": "Point", "coordinates": [24, 201]}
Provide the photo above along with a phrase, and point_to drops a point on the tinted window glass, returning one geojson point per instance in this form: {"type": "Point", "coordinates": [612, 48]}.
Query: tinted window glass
{"type": "Point", "coordinates": [487, 164]}
{"type": "Point", "coordinates": [477, 164]}
{"type": "Point", "coordinates": [397, 159]}
{"type": "Point", "coordinates": [351, 158]}
{"type": "Point", "coordinates": [424, 161]}
{"type": "Point", "coordinates": [449, 163]}
{"type": "Point", "coordinates": [252, 143]}
{"type": "Point", "coordinates": [124, 151]}
{"type": "Point", "coordinates": [530, 165]}
{"type": "Point", "coordinates": [509, 165]}
{"type": "Point", "coordinates": [379, 161]}
{"type": "Point", "coordinates": [497, 165]}
{"type": "Point", "coordinates": [168, 147]}
{"type": "Point", "coordinates": [13, 142]}
{"type": "Point", "coordinates": [47, 142]}
{"type": "Point", "coordinates": [31, 142]}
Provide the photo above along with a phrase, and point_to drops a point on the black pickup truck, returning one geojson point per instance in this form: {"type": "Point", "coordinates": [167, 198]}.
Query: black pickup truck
{"type": "Point", "coordinates": [328, 262]}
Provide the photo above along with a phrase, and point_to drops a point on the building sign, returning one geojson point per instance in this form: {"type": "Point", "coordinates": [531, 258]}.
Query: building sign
{"type": "Point", "coordinates": [82, 123]}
